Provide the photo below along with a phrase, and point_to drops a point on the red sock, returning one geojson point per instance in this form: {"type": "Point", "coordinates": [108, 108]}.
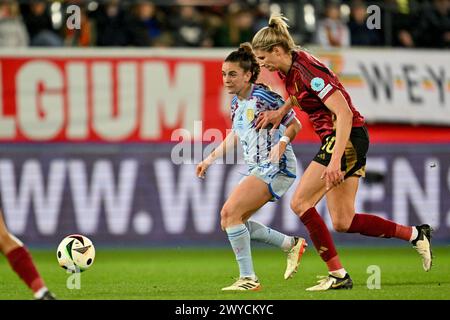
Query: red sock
{"type": "Point", "coordinates": [374, 226]}
{"type": "Point", "coordinates": [321, 237]}
{"type": "Point", "coordinates": [22, 263]}
{"type": "Point", "coordinates": [403, 232]}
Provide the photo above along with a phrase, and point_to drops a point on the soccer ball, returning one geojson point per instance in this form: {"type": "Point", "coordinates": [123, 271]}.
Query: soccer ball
{"type": "Point", "coordinates": [75, 253]}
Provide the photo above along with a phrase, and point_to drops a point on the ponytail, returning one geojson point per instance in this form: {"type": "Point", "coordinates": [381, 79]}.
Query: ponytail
{"type": "Point", "coordinates": [246, 59]}
{"type": "Point", "coordinates": [276, 33]}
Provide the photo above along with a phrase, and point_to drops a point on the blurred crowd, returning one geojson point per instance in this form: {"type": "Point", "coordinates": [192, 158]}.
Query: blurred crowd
{"type": "Point", "coordinates": [144, 23]}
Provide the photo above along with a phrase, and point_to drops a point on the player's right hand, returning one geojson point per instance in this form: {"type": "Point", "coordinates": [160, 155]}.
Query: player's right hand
{"type": "Point", "coordinates": [201, 169]}
{"type": "Point", "coordinates": [265, 118]}
{"type": "Point", "coordinates": [333, 175]}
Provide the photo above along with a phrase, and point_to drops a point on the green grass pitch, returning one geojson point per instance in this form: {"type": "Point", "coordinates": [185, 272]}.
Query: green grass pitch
{"type": "Point", "coordinates": [200, 273]}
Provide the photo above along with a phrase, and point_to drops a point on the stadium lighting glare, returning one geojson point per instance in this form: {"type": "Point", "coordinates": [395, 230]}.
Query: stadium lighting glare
{"type": "Point", "coordinates": [55, 7]}
{"type": "Point", "coordinates": [92, 6]}
{"type": "Point", "coordinates": [309, 16]}
{"type": "Point", "coordinates": [345, 12]}
{"type": "Point", "coordinates": [275, 8]}
{"type": "Point", "coordinates": [56, 15]}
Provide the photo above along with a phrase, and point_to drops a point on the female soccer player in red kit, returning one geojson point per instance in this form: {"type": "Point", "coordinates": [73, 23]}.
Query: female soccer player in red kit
{"type": "Point", "coordinates": [21, 262]}
{"type": "Point", "coordinates": [335, 170]}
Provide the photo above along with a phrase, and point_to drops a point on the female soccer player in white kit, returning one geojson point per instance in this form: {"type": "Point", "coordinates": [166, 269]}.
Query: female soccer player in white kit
{"type": "Point", "coordinates": [271, 167]}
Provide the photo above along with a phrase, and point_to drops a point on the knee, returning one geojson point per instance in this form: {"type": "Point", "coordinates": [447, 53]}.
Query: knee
{"type": "Point", "coordinates": [300, 206]}
{"type": "Point", "coordinates": [341, 225]}
{"type": "Point", "coordinates": [6, 242]}
{"type": "Point", "coordinates": [341, 218]}
{"type": "Point", "coordinates": [227, 217]}
{"type": "Point", "coordinates": [4, 239]}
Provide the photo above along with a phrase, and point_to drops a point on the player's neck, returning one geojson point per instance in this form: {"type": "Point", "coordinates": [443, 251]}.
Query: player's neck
{"type": "Point", "coordinates": [245, 92]}
{"type": "Point", "coordinates": [285, 63]}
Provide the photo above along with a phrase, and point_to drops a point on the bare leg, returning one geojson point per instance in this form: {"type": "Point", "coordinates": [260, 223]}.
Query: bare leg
{"type": "Point", "coordinates": [341, 203]}
{"type": "Point", "coordinates": [21, 262]}
{"type": "Point", "coordinates": [250, 195]}
{"type": "Point", "coordinates": [7, 241]}
{"type": "Point", "coordinates": [310, 190]}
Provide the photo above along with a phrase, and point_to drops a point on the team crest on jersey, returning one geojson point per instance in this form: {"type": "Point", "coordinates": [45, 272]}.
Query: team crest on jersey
{"type": "Point", "coordinates": [317, 84]}
{"type": "Point", "coordinates": [250, 115]}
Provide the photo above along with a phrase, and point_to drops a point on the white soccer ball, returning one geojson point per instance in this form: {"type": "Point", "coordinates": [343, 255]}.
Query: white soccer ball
{"type": "Point", "coordinates": [76, 253]}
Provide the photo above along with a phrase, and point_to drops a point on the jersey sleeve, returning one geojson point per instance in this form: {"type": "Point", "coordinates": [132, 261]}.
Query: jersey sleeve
{"type": "Point", "coordinates": [269, 100]}
{"type": "Point", "coordinates": [288, 118]}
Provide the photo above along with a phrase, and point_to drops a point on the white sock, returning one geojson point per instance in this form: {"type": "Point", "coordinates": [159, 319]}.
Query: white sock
{"type": "Point", "coordinates": [288, 243]}
{"type": "Point", "coordinates": [262, 233]}
{"type": "Point", "coordinates": [414, 234]}
{"type": "Point", "coordinates": [340, 273]}
{"type": "Point", "coordinates": [40, 293]}
{"type": "Point", "coordinates": [239, 238]}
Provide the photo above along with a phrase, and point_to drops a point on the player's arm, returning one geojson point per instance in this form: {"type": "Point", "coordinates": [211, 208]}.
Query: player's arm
{"type": "Point", "coordinates": [228, 143]}
{"type": "Point", "coordinates": [274, 117]}
{"type": "Point", "coordinates": [293, 128]}
{"type": "Point", "coordinates": [344, 117]}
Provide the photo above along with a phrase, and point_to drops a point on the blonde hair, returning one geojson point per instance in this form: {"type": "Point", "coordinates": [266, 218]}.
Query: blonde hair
{"type": "Point", "coordinates": [275, 34]}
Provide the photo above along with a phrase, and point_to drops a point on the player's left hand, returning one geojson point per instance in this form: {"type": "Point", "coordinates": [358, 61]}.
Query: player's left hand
{"type": "Point", "coordinates": [333, 175]}
{"type": "Point", "coordinates": [277, 151]}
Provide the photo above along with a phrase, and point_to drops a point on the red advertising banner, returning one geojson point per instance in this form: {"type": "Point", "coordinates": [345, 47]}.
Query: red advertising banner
{"type": "Point", "coordinates": [108, 99]}
{"type": "Point", "coordinates": [143, 96]}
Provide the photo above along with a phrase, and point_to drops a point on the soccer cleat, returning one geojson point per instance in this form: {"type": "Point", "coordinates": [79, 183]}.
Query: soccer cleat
{"type": "Point", "coordinates": [244, 284]}
{"type": "Point", "coordinates": [331, 282]}
{"type": "Point", "coordinates": [423, 245]}
{"type": "Point", "coordinates": [294, 256]}
{"type": "Point", "coordinates": [47, 296]}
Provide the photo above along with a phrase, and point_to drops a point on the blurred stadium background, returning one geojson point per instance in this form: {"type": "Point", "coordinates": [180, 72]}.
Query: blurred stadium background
{"type": "Point", "coordinates": [89, 117]}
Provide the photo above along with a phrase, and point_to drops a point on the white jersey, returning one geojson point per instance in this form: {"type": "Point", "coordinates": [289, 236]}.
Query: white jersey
{"type": "Point", "coordinates": [258, 144]}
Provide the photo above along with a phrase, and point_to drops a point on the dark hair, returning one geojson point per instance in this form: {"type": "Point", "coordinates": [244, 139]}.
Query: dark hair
{"type": "Point", "coordinates": [247, 60]}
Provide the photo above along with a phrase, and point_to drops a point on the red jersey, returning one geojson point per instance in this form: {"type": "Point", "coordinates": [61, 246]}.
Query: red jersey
{"type": "Point", "coordinates": [309, 83]}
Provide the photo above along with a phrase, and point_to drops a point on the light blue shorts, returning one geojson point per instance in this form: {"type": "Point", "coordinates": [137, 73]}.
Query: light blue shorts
{"type": "Point", "coordinates": [278, 178]}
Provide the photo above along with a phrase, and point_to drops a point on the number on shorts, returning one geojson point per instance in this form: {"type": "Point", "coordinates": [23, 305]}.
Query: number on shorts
{"type": "Point", "coordinates": [329, 144]}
